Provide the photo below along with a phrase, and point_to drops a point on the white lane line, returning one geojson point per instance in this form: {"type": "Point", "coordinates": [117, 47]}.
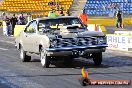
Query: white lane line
{"type": "Point", "coordinates": [3, 49]}
{"type": "Point", "coordinates": [7, 41]}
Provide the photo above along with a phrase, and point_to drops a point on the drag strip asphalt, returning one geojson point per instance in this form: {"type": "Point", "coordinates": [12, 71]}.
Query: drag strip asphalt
{"type": "Point", "coordinates": [3, 49]}
{"type": "Point", "coordinates": [16, 74]}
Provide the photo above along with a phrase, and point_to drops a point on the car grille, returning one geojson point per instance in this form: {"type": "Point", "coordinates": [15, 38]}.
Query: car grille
{"type": "Point", "coordinates": [65, 42]}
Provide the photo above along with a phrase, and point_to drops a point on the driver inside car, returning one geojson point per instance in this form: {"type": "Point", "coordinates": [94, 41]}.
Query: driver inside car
{"type": "Point", "coordinates": [44, 27]}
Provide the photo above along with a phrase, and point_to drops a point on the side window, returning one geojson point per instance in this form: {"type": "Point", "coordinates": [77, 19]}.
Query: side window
{"type": "Point", "coordinates": [32, 27]}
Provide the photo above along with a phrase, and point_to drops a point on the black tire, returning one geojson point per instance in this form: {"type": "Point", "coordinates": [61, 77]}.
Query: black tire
{"type": "Point", "coordinates": [97, 58]}
{"type": "Point", "coordinates": [68, 61]}
{"type": "Point", "coordinates": [45, 62]}
{"type": "Point", "coordinates": [23, 56]}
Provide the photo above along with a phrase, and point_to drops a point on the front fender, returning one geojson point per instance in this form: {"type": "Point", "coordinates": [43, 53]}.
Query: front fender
{"type": "Point", "coordinates": [45, 42]}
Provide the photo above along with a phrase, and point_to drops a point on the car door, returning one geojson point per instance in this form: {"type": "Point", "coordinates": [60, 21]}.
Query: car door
{"type": "Point", "coordinates": [34, 37]}
{"type": "Point", "coordinates": [29, 35]}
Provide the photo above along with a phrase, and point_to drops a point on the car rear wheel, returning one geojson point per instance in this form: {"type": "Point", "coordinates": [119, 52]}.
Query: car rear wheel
{"type": "Point", "coordinates": [44, 59]}
{"type": "Point", "coordinates": [97, 58]}
{"type": "Point", "coordinates": [23, 56]}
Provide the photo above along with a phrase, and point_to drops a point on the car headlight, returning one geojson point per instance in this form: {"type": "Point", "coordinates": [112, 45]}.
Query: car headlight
{"type": "Point", "coordinates": [102, 40]}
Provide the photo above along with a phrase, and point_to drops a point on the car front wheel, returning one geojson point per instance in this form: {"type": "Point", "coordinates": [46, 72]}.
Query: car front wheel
{"type": "Point", "coordinates": [97, 58]}
{"type": "Point", "coordinates": [23, 56]}
{"type": "Point", "coordinates": [44, 59]}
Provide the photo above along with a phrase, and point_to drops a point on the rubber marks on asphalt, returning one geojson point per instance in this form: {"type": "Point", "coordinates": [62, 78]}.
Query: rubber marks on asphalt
{"type": "Point", "coordinates": [10, 42]}
{"type": "Point", "coordinates": [3, 49]}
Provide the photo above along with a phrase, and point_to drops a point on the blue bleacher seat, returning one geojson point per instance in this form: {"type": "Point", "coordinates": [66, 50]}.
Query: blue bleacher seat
{"type": "Point", "coordinates": [130, 5]}
{"type": "Point", "coordinates": [100, 7]}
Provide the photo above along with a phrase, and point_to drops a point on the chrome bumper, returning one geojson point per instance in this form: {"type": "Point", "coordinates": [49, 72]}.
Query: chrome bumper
{"type": "Point", "coordinates": [76, 48]}
{"type": "Point", "coordinates": [72, 52]}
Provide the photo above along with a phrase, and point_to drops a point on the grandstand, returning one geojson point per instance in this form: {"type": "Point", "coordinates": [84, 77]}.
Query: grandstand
{"type": "Point", "coordinates": [108, 7]}
{"type": "Point", "coordinates": [36, 7]}
{"type": "Point", "coordinates": [93, 7]}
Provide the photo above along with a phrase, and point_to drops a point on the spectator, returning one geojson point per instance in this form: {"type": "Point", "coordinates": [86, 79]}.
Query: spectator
{"type": "Point", "coordinates": [84, 17]}
{"type": "Point", "coordinates": [61, 13]}
{"type": "Point", "coordinates": [61, 8]}
{"type": "Point", "coordinates": [8, 26]}
{"type": "Point", "coordinates": [13, 23]}
{"type": "Point", "coordinates": [67, 13]}
{"type": "Point", "coordinates": [119, 19]}
{"type": "Point", "coordinates": [104, 7]}
{"type": "Point", "coordinates": [52, 13]}
{"type": "Point", "coordinates": [57, 5]}
{"type": "Point", "coordinates": [4, 23]}
{"type": "Point", "coordinates": [51, 3]}
{"type": "Point", "coordinates": [3, 15]}
{"type": "Point", "coordinates": [116, 6]}
{"type": "Point", "coordinates": [29, 18]}
{"type": "Point", "coordinates": [21, 20]}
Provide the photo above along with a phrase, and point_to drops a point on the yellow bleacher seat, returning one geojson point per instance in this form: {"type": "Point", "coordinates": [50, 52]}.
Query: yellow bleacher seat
{"type": "Point", "coordinates": [34, 5]}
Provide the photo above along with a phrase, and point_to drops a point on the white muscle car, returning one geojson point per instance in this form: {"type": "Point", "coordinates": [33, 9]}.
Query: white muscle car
{"type": "Point", "coordinates": [60, 38]}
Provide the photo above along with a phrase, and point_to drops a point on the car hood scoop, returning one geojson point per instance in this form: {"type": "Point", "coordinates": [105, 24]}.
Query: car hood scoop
{"type": "Point", "coordinates": [74, 31]}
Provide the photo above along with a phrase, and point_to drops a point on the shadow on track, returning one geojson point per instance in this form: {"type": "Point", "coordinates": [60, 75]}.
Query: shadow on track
{"type": "Point", "coordinates": [66, 74]}
{"type": "Point", "coordinates": [76, 64]}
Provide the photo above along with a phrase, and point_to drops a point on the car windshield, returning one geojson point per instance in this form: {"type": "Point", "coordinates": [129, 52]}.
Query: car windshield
{"type": "Point", "coordinates": [59, 22]}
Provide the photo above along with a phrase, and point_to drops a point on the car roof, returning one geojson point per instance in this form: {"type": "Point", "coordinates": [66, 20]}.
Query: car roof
{"type": "Point", "coordinates": [44, 18]}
